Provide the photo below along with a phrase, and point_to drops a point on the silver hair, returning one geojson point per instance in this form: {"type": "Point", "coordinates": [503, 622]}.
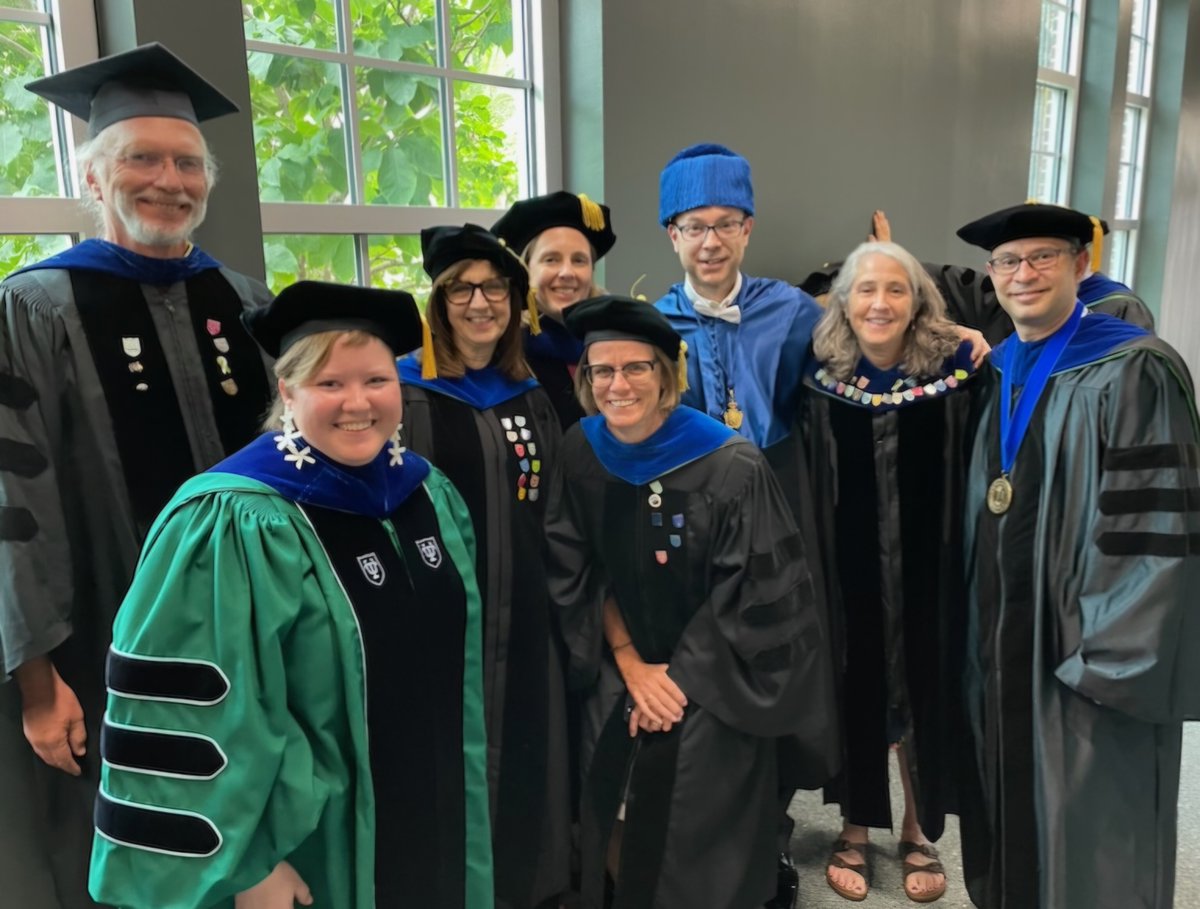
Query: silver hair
{"type": "Point", "coordinates": [94, 155]}
{"type": "Point", "coordinates": [931, 337]}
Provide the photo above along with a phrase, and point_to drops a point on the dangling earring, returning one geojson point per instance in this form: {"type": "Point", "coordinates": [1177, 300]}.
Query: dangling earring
{"type": "Point", "coordinates": [287, 441]}
{"type": "Point", "coordinates": [396, 450]}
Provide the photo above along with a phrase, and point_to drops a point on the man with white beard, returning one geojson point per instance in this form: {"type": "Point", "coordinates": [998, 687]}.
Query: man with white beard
{"type": "Point", "coordinates": [124, 370]}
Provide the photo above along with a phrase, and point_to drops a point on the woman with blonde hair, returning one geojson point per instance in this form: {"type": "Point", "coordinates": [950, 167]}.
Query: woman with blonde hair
{"type": "Point", "coordinates": [474, 409]}
{"type": "Point", "coordinates": [561, 237]}
{"type": "Point", "coordinates": [883, 418]}
{"type": "Point", "coordinates": [691, 624]}
{"type": "Point", "coordinates": [295, 708]}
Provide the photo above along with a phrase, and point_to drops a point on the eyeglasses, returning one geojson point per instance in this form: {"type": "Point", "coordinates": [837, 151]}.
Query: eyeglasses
{"type": "Point", "coordinates": [153, 163]}
{"type": "Point", "coordinates": [694, 230]}
{"type": "Point", "coordinates": [603, 374]}
{"type": "Point", "coordinates": [1039, 260]}
{"type": "Point", "coordinates": [494, 290]}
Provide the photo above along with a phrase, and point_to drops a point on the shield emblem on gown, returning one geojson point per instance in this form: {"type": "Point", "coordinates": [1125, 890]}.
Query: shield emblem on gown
{"type": "Point", "coordinates": [431, 553]}
{"type": "Point", "coordinates": [372, 568]}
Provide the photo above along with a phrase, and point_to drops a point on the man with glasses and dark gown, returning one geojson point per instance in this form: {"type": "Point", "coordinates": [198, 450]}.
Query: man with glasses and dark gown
{"type": "Point", "coordinates": [1082, 539]}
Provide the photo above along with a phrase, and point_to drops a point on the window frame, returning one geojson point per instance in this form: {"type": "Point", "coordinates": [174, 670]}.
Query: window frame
{"type": "Point", "coordinates": [362, 221]}
{"type": "Point", "coordinates": [72, 46]}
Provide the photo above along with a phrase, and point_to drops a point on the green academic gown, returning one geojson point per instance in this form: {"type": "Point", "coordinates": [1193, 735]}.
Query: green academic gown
{"type": "Point", "coordinates": [236, 734]}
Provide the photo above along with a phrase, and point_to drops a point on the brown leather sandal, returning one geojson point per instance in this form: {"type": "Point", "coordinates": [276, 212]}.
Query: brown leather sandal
{"type": "Point", "coordinates": [863, 870]}
{"type": "Point", "coordinates": [907, 848]}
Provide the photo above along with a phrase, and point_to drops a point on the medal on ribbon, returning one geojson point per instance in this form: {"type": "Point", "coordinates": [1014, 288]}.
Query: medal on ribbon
{"type": "Point", "coordinates": [1014, 422]}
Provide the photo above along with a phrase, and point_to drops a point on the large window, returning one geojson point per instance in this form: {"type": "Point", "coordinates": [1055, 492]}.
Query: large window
{"type": "Point", "coordinates": [375, 118]}
{"type": "Point", "coordinates": [1056, 101]}
{"type": "Point", "coordinates": [1135, 129]}
{"type": "Point", "coordinates": [37, 142]}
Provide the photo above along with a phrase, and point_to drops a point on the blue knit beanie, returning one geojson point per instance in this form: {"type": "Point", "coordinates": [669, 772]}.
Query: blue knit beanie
{"type": "Point", "coordinates": [704, 175]}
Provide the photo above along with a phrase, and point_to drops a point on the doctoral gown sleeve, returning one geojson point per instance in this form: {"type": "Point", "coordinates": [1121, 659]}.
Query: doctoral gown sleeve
{"type": "Point", "coordinates": [1138, 631]}
{"type": "Point", "coordinates": [36, 588]}
{"type": "Point", "coordinates": [575, 572]}
{"type": "Point", "coordinates": [458, 535]}
{"type": "Point", "coordinates": [203, 640]}
{"type": "Point", "coordinates": [748, 654]}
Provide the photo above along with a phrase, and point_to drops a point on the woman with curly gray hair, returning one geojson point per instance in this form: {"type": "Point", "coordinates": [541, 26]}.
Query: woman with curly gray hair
{"type": "Point", "coordinates": [883, 418]}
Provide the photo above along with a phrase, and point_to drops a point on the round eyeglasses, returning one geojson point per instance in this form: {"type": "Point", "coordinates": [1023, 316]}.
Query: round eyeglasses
{"type": "Point", "coordinates": [603, 374]}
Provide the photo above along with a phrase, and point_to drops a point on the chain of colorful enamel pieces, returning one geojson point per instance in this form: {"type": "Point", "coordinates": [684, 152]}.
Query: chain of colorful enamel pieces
{"type": "Point", "coordinates": [521, 437]}
{"type": "Point", "coordinates": [656, 520]}
{"type": "Point", "coordinates": [903, 390]}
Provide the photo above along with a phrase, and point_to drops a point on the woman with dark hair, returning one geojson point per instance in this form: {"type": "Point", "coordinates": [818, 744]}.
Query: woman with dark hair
{"type": "Point", "coordinates": [883, 417]}
{"type": "Point", "coordinates": [474, 409]}
{"type": "Point", "coordinates": [688, 612]}
{"type": "Point", "coordinates": [561, 237]}
{"type": "Point", "coordinates": [295, 708]}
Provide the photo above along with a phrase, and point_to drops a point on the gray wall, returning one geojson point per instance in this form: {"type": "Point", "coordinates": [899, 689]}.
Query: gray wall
{"type": "Point", "coordinates": [1180, 314]}
{"type": "Point", "coordinates": [207, 34]}
{"type": "Point", "coordinates": [922, 108]}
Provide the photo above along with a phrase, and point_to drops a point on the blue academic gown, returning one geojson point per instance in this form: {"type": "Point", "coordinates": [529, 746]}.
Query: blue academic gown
{"type": "Point", "coordinates": [762, 358]}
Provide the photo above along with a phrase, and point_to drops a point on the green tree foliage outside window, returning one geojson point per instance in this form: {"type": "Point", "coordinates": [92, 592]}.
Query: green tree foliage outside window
{"type": "Point", "coordinates": [28, 165]}
{"type": "Point", "coordinates": [310, 141]}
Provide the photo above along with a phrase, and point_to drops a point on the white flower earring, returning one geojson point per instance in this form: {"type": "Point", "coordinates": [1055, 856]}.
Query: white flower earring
{"type": "Point", "coordinates": [396, 450]}
{"type": "Point", "coordinates": [287, 441]}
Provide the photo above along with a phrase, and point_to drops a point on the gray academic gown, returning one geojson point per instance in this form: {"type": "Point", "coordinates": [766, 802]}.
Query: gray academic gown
{"type": "Point", "coordinates": [1092, 576]}
{"type": "Point", "coordinates": [63, 575]}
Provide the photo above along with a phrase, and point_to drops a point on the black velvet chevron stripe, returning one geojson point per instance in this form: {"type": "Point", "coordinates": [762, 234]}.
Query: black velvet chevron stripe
{"type": "Point", "coordinates": [15, 392]}
{"type": "Point", "coordinates": [160, 752]}
{"type": "Point", "coordinates": [1151, 457]}
{"type": "Point", "coordinates": [1171, 545]}
{"type": "Point", "coordinates": [17, 525]}
{"type": "Point", "coordinates": [1139, 501]}
{"type": "Point", "coordinates": [165, 680]}
{"type": "Point", "coordinates": [156, 829]}
{"type": "Point", "coordinates": [21, 458]}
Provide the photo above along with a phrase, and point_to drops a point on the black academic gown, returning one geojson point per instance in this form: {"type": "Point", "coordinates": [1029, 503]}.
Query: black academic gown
{"type": "Point", "coordinates": [888, 485]}
{"type": "Point", "coordinates": [711, 577]}
{"type": "Point", "coordinates": [500, 452]}
{"type": "Point", "coordinates": [1084, 639]}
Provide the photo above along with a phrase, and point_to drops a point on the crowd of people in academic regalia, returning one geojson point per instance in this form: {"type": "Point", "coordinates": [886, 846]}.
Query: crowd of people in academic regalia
{"type": "Point", "coordinates": [540, 596]}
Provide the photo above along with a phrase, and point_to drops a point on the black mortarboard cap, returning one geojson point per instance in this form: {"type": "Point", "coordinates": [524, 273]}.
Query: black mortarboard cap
{"type": "Point", "coordinates": [1033, 219]}
{"type": "Point", "coordinates": [148, 81]}
{"type": "Point", "coordinates": [526, 219]}
{"type": "Point", "coordinates": [443, 246]}
{"type": "Point", "coordinates": [613, 317]}
{"type": "Point", "coordinates": [308, 307]}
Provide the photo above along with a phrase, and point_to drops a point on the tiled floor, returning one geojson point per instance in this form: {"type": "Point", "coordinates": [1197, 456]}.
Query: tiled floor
{"type": "Point", "coordinates": [818, 824]}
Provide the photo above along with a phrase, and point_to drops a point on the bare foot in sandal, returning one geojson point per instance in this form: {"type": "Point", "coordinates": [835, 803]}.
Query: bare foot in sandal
{"type": "Point", "coordinates": [924, 876]}
{"type": "Point", "coordinates": [848, 872]}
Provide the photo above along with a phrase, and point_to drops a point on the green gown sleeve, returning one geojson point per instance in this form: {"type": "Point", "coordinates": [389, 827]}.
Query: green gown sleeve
{"type": "Point", "coordinates": [226, 783]}
{"type": "Point", "coordinates": [458, 535]}
{"type": "Point", "coordinates": [754, 647]}
{"type": "Point", "coordinates": [1134, 640]}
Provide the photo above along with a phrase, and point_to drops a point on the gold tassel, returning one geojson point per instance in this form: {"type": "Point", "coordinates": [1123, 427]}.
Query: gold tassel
{"type": "Point", "coordinates": [1097, 243]}
{"type": "Point", "coordinates": [535, 322]}
{"type": "Point", "coordinates": [593, 214]}
{"type": "Point", "coordinates": [428, 357]}
{"type": "Point", "coordinates": [632, 289]}
{"type": "Point", "coordinates": [681, 366]}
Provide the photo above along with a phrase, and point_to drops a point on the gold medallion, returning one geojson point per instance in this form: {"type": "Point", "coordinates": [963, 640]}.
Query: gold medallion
{"type": "Point", "coordinates": [999, 495]}
{"type": "Point", "coordinates": [733, 413]}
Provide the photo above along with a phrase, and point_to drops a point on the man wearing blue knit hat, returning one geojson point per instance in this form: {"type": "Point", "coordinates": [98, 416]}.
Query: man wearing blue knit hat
{"type": "Point", "coordinates": [746, 337]}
